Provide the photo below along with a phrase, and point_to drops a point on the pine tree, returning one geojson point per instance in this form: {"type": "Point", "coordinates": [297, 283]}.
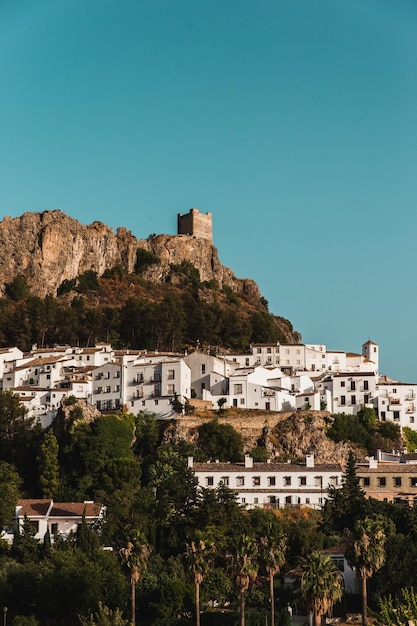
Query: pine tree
{"type": "Point", "coordinates": [48, 466]}
{"type": "Point", "coordinates": [346, 504]}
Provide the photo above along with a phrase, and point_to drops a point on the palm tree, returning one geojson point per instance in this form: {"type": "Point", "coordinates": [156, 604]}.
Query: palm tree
{"type": "Point", "coordinates": [272, 556]}
{"type": "Point", "coordinates": [244, 565]}
{"type": "Point", "coordinates": [136, 555]}
{"type": "Point", "coordinates": [366, 553]}
{"type": "Point", "coordinates": [199, 557]}
{"type": "Point", "coordinates": [321, 584]}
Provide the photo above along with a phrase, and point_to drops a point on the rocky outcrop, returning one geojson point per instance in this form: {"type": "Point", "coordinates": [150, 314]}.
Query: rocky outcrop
{"type": "Point", "coordinates": [50, 247]}
{"type": "Point", "coordinates": [285, 435]}
{"type": "Point", "coordinates": [172, 250]}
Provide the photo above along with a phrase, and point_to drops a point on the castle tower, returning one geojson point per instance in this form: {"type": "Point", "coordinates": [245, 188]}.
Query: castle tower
{"type": "Point", "coordinates": [196, 224]}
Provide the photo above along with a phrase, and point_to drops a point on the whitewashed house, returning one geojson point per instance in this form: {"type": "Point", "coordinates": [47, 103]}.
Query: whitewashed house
{"type": "Point", "coordinates": [60, 518]}
{"type": "Point", "coordinates": [271, 485]}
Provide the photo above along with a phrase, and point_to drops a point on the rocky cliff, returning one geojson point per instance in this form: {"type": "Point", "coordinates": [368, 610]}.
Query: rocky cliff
{"type": "Point", "coordinates": [50, 247]}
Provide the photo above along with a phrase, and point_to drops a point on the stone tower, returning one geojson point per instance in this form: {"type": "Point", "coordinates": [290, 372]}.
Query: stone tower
{"type": "Point", "coordinates": [196, 224]}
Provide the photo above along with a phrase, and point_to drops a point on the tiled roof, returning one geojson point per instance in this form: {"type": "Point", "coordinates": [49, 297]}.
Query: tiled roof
{"type": "Point", "coordinates": [264, 467]}
{"type": "Point", "coordinates": [71, 509]}
{"type": "Point", "coordinates": [33, 508]}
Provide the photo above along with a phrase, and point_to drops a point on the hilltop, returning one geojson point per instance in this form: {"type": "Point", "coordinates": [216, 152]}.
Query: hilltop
{"type": "Point", "coordinates": [78, 269]}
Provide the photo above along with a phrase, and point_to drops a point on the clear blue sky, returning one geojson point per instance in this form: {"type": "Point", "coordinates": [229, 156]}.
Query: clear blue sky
{"type": "Point", "coordinates": [293, 121]}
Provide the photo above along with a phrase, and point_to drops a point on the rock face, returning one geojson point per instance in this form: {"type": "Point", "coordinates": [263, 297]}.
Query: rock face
{"type": "Point", "coordinates": [172, 250]}
{"type": "Point", "coordinates": [285, 436]}
{"type": "Point", "coordinates": [50, 247]}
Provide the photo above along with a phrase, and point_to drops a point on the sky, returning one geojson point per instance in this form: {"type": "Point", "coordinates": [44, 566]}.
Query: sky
{"type": "Point", "coordinates": [294, 122]}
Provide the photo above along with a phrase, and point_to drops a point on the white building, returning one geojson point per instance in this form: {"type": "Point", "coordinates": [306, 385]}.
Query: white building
{"type": "Point", "coordinates": [271, 485]}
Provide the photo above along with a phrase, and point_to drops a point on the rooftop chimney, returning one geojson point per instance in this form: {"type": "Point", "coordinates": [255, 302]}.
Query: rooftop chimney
{"type": "Point", "coordinates": [248, 460]}
{"type": "Point", "coordinates": [309, 460]}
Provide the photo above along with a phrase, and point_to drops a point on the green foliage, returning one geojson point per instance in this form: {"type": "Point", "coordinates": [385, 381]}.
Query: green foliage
{"type": "Point", "coordinates": [25, 620]}
{"type": "Point", "coordinates": [177, 405]}
{"type": "Point", "coordinates": [10, 485]}
{"type": "Point", "coordinates": [391, 431]}
{"type": "Point", "coordinates": [367, 418]}
{"type": "Point", "coordinates": [18, 288]}
{"type": "Point", "coordinates": [349, 428]}
{"type": "Point", "coordinates": [66, 286]}
{"type": "Point", "coordinates": [144, 258]}
{"type": "Point", "coordinates": [320, 584]}
{"type": "Point", "coordinates": [259, 454]}
{"type": "Point", "coordinates": [346, 504]}
{"type": "Point", "coordinates": [147, 434]}
{"type": "Point", "coordinates": [48, 466]}
{"type": "Point", "coordinates": [190, 275]}
{"type": "Point", "coordinates": [87, 281]}
{"type": "Point", "coordinates": [104, 617]}
{"type": "Point", "coordinates": [220, 441]}
{"type": "Point", "coordinates": [410, 438]}
{"type": "Point", "coordinates": [399, 610]}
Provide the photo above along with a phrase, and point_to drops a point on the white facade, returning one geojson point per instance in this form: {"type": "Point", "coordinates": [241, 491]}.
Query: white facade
{"type": "Point", "coordinates": [397, 402]}
{"type": "Point", "coordinates": [271, 485]}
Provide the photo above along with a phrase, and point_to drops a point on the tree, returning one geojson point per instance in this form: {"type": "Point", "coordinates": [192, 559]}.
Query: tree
{"type": "Point", "coordinates": [48, 466]}
{"type": "Point", "coordinates": [366, 553]}
{"type": "Point", "coordinates": [135, 555]}
{"type": "Point", "coordinates": [402, 610]}
{"type": "Point", "coordinates": [320, 584]}
{"type": "Point", "coordinates": [243, 563]}
{"type": "Point", "coordinates": [220, 441]}
{"type": "Point", "coordinates": [10, 484]}
{"type": "Point", "coordinates": [272, 556]}
{"type": "Point", "coordinates": [13, 426]}
{"type": "Point", "coordinates": [346, 504]}
{"type": "Point", "coordinates": [104, 617]}
{"type": "Point", "coordinates": [199, 558]}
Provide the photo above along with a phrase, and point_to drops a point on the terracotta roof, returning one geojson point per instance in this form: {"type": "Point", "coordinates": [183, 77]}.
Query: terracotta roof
{"type": "Point", "coordinates": [70, 509]}
{"type": "Point", "coordinates": [33, 508]}
{"type": "Point", "coordinates": [41, 361]}
{"type": "Point", "coordinates": [264, 467]}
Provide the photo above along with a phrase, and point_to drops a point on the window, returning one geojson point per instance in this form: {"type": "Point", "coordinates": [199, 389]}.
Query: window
{"type": "Point", "coordinates": [171, 390]}
{"type": "Point", "coordinates": [209, 481]}
{"type": "Point", "coordinates": [156, 401]}
{"type": "Point", "coordinates": [396, 416]}
{"type": "Point", "coordinates": [353, 399]}
{"type": "Point", "coordinates": [203, 386]}
{"type": "Point", "coordinates": [237, 388]}
{"type": "Point", "coordinates": [268, 350]}
{"type": "Point", "coordinates": [242, 400]}
{"type": "Point", "coordinates": [288, 499]}
{"type": "Point", "coordinates": [171, 374]}
{"type": "Point", "coordinates": [256, 481]}
{"type": "Point", "coordinates": [365, 385]}
{"type": "Point", "coordinates": [383, 416]}
{"type": "Point", "coordinates": [382, 481]}
{"type": "Point", "coordinates": [240, 481]}
{"type": "Point", "coordinates": [353, 385]}
{"type": "Point", "coordinates": [287, 481]}
{"type": "Point", "coordinates": [224, 480]}
{"type": "Point", "coordinates": [394, 391]}
{"type": "Point", "coordinates": [343, 400]}
{"type": "Point", "coordinates": [366, 398]}
{"type": "Point", "coordinates": [107, 389]}
{"type": "Point", "coordinates": [303, 481]}
{"type": "Point", "coordinates": [397, 481]}
{"type": "Point", "coordinates": [258, 350]}
{"type": "Point", "coordinates": [342, 383]}
{"type": "Point", "coordinates": [203, 369]}
{"type": "Point", "coordinates": [34, 525]}
{"type": "Point", "coordinates": [271, 481]}
{"type": "Point", "coordinates": [413, 481]}
{"type": "Point", "coordinates": [256, 500]}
